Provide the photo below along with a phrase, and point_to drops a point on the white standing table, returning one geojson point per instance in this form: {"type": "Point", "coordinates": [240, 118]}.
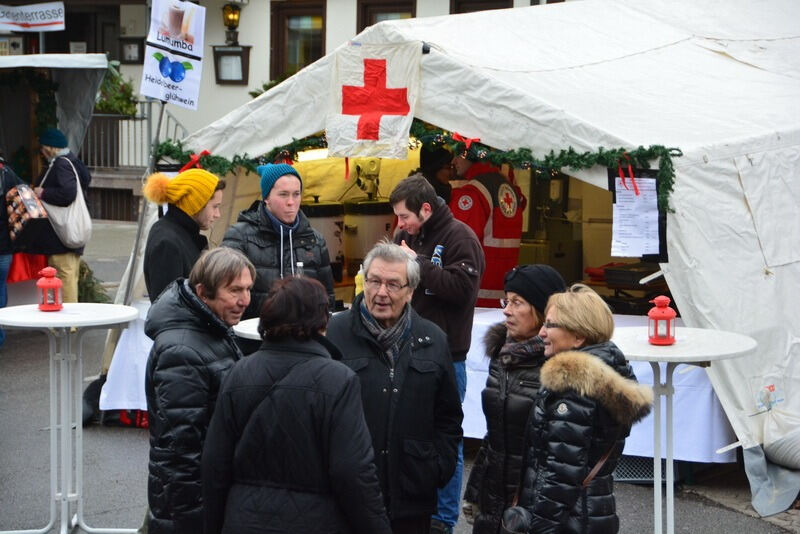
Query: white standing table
{"type": "Point", "coordinates": [693, 346]}
{"type": "Point", "coordinates": [65, 330]}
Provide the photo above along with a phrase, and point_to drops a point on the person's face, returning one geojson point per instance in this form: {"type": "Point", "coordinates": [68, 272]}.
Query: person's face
{"type": "Point", "coordinates": [283, 200]}
{"type": "Point", "coordinates": [445, 174]}
{"type": "Point", "coordinates": [408, 220]}
{"type": "Point", "coordinates": [210, 212]}
{"type": "Point", "coordinates": [48, 152]}
{"type": "Point", "coordinates": [557, 339]}
{"type": "Point", "coordinates": [521, 320]}
{"type": "Point", "coordinates": [385, 304]}
{"type": "Point", "coordinates": [231, 299]}
{"type": "Point", "coordinates": [461, 165]}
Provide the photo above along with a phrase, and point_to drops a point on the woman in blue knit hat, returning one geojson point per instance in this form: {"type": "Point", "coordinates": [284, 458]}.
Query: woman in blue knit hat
{"type": "Point", "coordinates": [275, 235]}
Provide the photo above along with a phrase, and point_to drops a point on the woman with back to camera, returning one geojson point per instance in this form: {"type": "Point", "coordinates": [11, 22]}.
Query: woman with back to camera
{"type": "Point", "coordinates": [516, 355]}
{"type": "Point", "coordinates": [288, 449]}
{"type": "Point", "coordinates": [588, 401]}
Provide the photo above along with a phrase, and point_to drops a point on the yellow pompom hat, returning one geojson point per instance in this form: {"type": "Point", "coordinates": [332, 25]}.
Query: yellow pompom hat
{"type": "Point", "coordinates": [190, 190]}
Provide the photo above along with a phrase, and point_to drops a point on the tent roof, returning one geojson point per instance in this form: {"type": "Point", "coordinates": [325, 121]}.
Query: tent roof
{"type": "Point", "coordinates": [582, 74]}
{"type": "Point", "coordinates": [55, 61]}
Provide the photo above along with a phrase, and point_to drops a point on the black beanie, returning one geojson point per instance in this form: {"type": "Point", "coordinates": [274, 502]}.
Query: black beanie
{"type": "Point", "coordinates": [534, 283]}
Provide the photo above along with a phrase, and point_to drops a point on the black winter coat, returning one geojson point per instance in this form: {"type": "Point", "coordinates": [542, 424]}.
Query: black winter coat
{"type": "Point", "coordinates": [173, 246]}
{"type": "Point", "coordinates": [254, 235]}
{"type": "Point", "coordinates": [446, 295]}
{"type": "Point", "coordinates": [8, 180]}
{"type": "Point", "coordinates": [288, 449]}
{"type": "Point", "coordinates": [588, 402]}
{"type": "Point", "coordinates": [192, 351]}
{"type": "Point", "coordinates": [507, 399]}
{"type": "Point", "coordinates": [413, 410]}
{"type": "Point", "coordinates": [59, 189]}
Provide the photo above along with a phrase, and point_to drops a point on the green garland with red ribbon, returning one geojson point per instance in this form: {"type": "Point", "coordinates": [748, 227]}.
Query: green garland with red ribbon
{"type": "Point", "coordinates": [427, 135]}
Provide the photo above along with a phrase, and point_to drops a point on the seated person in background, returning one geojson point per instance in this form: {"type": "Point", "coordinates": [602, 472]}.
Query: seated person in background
{"type": "Point", "coordinates": [275, 235]}
{"type": "Point", "coordinates": [588, 401]}
{"type": "Point", "coordinates": [288, 449]}
{"type": "Point", "coordinates": [516, 354]}
{"type": "Point", "coordinates": [193, 348]}
{"type": "Point", "coordinates": [175, 242]}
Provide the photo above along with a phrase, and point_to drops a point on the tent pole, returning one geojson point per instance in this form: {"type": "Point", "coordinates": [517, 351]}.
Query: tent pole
{"type": "Point", "coordinates": [143, 207]}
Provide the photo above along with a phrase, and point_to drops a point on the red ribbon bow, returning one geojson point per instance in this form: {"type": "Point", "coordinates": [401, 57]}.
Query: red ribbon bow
{"type": "Point", "coordinates": [466, 140]}
{"type": "Point", "coordinates": [194, 161]}
{"type": "Point", "coordinates": [630, 174]}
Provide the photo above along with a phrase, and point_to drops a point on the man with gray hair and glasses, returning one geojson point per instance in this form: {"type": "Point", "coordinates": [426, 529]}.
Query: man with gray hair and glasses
{"type": "Point", "coordinates": [408, 387]}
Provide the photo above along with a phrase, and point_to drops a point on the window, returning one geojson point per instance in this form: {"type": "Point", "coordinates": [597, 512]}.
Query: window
{"type": "Point", "coordinates": [298, 36]}
{"type": "Point", "coordinates": [373, 11]}
{"type": "Point", "coordinates": [468, 6]}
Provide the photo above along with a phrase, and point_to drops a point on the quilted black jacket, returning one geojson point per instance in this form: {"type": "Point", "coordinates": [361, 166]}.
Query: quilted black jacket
{"type": "Point", "coordinates": [254, 235]}
{"type": "Point", "coordinates": [507, 399]}
{"type": "Point", "coordinates": [192, 351]}
{"type": "Point", "coordinates": [588, 401]}
{"type": "Point", "coordinates": [288, 449]}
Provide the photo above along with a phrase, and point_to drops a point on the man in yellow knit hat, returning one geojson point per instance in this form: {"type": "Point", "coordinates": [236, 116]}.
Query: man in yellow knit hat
{"type": "Point", "coordinates": [175, 242]}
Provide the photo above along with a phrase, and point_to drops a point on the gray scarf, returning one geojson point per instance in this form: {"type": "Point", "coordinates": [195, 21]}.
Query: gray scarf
{"type": "Point", "coordinates": [390, 339]}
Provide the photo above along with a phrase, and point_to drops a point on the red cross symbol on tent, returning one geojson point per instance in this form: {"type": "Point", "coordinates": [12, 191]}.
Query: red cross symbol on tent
{"type": "Point", "coordinates": [373, 100]}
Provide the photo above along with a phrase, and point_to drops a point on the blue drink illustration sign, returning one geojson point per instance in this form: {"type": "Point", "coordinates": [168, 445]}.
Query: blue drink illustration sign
{"type": "Point", "coordinates": [174, 53]}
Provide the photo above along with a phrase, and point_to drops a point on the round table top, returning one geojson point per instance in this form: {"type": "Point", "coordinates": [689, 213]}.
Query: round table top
{"type": "Point", "coordinates": [72, 315]}
{"type": "Point", "coordinates": [247, 329]}
{"type": "Point", "coordinates": [691, 345]}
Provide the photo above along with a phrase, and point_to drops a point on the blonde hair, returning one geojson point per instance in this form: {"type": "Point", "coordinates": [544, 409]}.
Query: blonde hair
{"type": "Point", "coordinates": [582, 312]}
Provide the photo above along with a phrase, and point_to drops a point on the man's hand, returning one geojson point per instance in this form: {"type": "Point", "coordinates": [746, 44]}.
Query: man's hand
{"type": "Point", "coordinates": [408, 250]}
{"type": "Point", "coordinates": [470, 511]}
{"type": "Point", "coordinates": [38, 191]}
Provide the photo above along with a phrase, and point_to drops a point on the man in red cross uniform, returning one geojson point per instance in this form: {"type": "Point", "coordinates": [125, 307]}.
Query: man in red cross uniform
{"type": "Point", "coordinates": [492, 206]}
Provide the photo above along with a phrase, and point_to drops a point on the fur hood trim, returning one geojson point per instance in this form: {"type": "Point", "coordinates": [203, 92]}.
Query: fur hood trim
{"type": "Point", "coordinates": [588, 375]}
{"type": "Point", "coordinates": [494, 339]}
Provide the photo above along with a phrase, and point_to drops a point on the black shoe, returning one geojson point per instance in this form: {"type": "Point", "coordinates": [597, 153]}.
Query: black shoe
{"type": "Point", "coordinates": [438, 527]}
{"type": "Point", "coordinates": [91, 400]}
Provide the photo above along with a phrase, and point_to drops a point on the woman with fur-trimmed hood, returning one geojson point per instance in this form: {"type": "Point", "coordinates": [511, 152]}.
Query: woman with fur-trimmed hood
{"type": "Point", "coordinates": [516, 354]}
{"type": "Point", "coordinates": [588, 401]}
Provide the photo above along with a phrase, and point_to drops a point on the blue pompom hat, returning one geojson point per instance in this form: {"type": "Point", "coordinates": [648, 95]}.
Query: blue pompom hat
{"type": "Point", "coordinates": [53, 137]}
{"type": "Point", "coordinates": [271, 172]}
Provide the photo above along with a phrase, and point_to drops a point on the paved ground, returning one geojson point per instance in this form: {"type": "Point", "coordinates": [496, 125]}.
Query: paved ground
{"type": "Point", "coordinates": [116, 459]}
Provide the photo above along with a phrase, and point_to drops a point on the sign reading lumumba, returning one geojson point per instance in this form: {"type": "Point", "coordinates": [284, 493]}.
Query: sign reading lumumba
{"type": "Point", "coordinates": [47, 17]}
{"type": "Point", "coordinates": [173, 57]}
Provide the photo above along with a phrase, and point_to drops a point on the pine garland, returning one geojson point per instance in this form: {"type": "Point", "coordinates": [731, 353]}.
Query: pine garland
{"type": "Point", "coordinates": [427, 135]}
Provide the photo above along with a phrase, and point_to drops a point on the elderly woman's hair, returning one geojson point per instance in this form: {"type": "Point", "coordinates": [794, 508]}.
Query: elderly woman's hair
{"type": "Point", "coordinates": [390, 253]}
{"type": "Point", "coordinates": [295, 308]}
{"type": "Point", "coordinates": [218, 268]}
{"type": "Point", "coordinates": [582, 312]}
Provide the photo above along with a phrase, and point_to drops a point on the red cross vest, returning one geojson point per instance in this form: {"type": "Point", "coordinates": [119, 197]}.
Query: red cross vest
{"type": "Point", "coordinates": [492, 207]}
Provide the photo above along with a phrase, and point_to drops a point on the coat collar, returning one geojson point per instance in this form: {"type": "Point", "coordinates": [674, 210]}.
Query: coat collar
{"type": "Point", "coordinates": [589, 376]}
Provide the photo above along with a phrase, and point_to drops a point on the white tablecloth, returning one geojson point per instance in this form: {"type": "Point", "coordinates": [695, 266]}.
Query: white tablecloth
{"type": "Point", "coordinates": [701, 426]}
{"type": "Point", "coordinates": [124, 387]}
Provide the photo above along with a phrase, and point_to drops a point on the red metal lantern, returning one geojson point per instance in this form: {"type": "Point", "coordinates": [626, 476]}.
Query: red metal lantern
{"type": "Point", "coordinates": [49, 285]}
{"type": "Point", "coordinates": [661, 320]}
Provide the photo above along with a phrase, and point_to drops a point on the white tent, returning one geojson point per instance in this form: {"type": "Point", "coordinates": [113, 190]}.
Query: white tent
{"type": "Point", "coordinates": [78, 77]}
{"type": "Point", "coordinates": [719, 79]}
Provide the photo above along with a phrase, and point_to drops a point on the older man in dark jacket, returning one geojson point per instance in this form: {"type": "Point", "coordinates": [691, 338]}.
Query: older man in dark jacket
{"type": "Point", "coordinates": [408, 388]}
{"type": "Point", "coordinates": [193, 348]}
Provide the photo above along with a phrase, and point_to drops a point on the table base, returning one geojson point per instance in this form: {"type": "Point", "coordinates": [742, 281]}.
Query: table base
{"type": "Point", "coordinates": [66, 435]}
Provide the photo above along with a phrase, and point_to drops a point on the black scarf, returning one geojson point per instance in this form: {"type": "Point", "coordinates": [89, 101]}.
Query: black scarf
{"type": "Point", "coordinates": [516, 352]}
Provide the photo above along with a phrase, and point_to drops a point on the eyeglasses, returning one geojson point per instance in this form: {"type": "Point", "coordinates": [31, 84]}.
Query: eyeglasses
{"type": "Point", "coordinates": [391, 286]}
{"type": "Point", "coordinates": [549, 325]}
{"type": "Point", "coordinates": [513, 303]}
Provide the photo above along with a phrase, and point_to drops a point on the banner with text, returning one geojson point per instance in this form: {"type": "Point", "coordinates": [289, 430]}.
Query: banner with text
{"type": "Point", "coordinates": [48, 17]}
{"type": "Point", "coordinates": [173, 58]}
